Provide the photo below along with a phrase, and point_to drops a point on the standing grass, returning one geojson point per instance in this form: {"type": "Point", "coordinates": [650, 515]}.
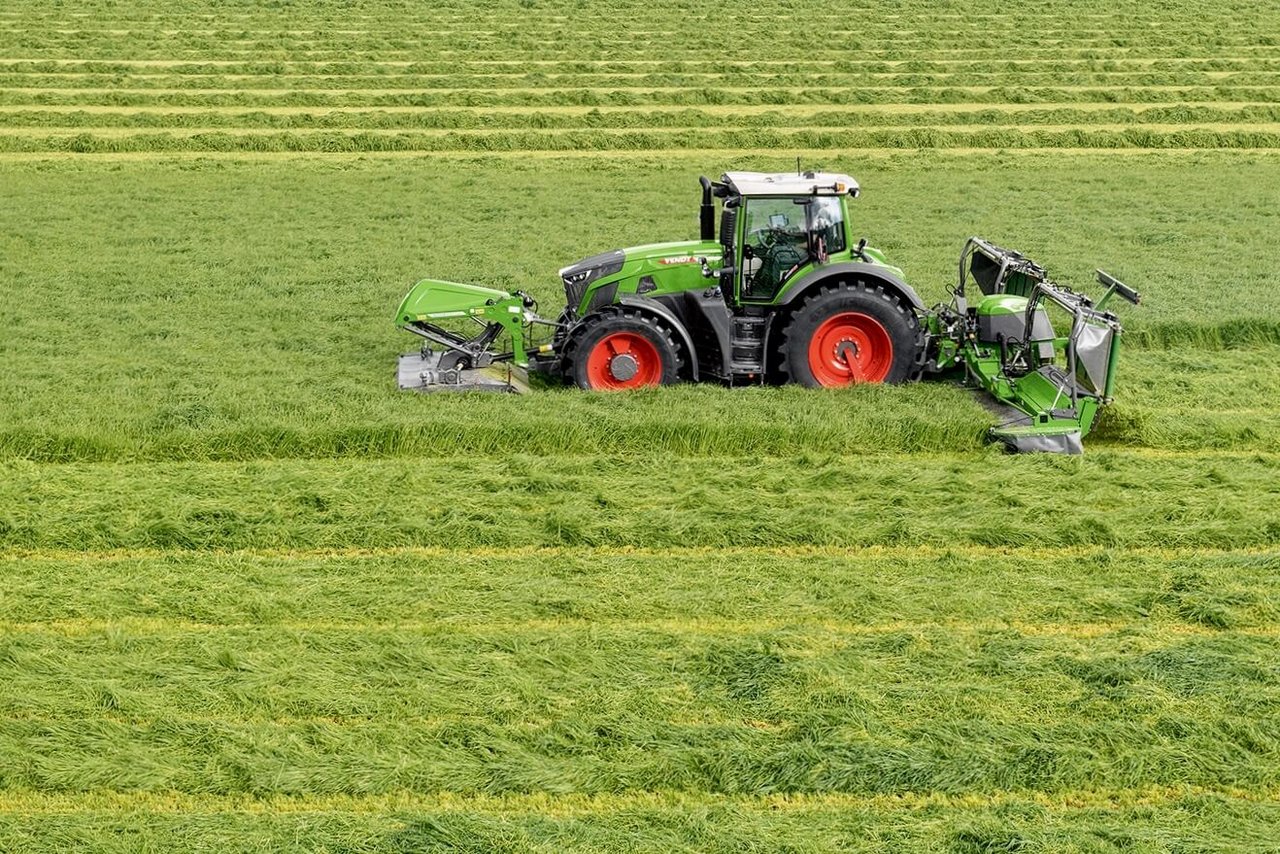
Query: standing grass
{"type": "Point", "coordinates": [235, 310]}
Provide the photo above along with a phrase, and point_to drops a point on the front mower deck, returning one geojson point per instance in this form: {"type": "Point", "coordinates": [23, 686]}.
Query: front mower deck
{"type": "Point", "coordinates": [418, 372]}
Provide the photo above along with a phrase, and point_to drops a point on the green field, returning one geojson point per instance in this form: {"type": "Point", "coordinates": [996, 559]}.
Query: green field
{"type": "Point", "coordinates": [254, 599]}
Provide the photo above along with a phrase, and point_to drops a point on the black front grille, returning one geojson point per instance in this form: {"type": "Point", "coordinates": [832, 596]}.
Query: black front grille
{"type": "Point", "coordinates": [579, 277]}
{"type": "Point", "coordinates": [573, 292]}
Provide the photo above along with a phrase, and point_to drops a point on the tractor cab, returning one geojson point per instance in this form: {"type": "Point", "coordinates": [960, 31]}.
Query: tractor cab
{"type": "Point", "coordinates": [777, 227]}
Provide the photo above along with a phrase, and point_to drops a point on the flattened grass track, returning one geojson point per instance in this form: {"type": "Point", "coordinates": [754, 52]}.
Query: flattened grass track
{"type": "Point", "coordinates": [255, 600]}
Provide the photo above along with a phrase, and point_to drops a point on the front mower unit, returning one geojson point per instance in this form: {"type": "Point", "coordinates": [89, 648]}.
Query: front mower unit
{"type": "Point", "coordinates": [783, 292]}
{"type": "Point", "coordinates": [428, 371]}
{"type": "Point", "coordinates": [460, 326]}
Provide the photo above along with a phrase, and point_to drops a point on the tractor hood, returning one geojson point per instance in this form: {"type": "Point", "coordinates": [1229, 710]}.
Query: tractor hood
{"type": "Point", "coordinates": [678, 252]}
{"type": "Point", "coordinates": [659, 259]}
{"type": "Point", "coordinates": [654, 262]}
{"type": "Point", "coordinates": [607, 264]}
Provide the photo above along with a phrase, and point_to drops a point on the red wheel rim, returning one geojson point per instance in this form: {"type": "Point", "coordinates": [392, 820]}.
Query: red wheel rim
{"type": "Point", "coordinates": [623, 360]}
{"type": "Point", "coordinates": [850, 348]}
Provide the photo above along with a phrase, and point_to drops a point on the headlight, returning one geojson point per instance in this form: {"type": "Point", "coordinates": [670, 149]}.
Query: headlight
{"type": "Point", "coordinates": [578, 277]}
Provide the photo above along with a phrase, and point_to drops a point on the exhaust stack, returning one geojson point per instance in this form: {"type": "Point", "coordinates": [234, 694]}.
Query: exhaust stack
{"type": "Point", "coordinates": [708, 211]}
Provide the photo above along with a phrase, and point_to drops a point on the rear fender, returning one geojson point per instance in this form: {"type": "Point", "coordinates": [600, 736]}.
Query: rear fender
{"type": "Point", "coordinates": [852, 270]}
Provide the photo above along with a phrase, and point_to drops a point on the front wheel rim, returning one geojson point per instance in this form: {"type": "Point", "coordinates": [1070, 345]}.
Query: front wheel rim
{"type": "Point", "coordinates": [624, 360]}
{"type": "Point", "coordinates": [850, 347]}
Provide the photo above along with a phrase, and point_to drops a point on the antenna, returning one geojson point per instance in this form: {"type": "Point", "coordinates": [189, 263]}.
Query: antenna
{"type": "Point", "coordinates": [797, 164]}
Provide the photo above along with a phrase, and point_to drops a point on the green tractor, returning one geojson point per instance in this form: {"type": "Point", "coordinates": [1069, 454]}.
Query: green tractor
{"type": "Point", "coordinates": [781, 292]}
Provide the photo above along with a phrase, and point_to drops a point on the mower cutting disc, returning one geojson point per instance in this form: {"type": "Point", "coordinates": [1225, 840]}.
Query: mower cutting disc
{"type": "Point", "coordinates": [424, 373]}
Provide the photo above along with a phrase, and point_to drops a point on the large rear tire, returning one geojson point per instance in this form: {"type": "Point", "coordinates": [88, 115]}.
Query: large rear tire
{"type": "Point", "coordinates": [620, 350]}
{"type": "Point", "coordinates": [852, 332]}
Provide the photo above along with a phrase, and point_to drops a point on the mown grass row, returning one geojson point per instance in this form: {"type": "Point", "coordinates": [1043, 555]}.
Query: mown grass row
{"type": "Point", "coordinates": [849, 64]}
{"type": "Point", "coordinates": [1175, 402]}
{"type": "Point", "coordinates": [641, 96]}
{"type": "Point", "coordinates": [1171, 400]}
{"type": "Point", "coordinates": [1073, 592]}
{"type": "Point", "coordinates": [1112, 498]}
{"type": "Point", "coordinates": [540, 79]}
{"type": "Point", "coordinates": [1197, 820]}
{"type": "Point", "coordinates": [641, 119]}
{"type": "Point", "coordinates": [374, 13]}
{"type": "Point", "coordinates": [556, 40]}
{"type": "Point", "coordinates": [680, 422]}
{"type": "Point", "coordinates": [551, 52]}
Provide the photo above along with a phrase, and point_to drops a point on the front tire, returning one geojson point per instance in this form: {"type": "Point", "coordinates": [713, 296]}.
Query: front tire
{"type": "Point", "coordinates": [848, 333]}
{"type": "Point", "coordinates": [618, 350]}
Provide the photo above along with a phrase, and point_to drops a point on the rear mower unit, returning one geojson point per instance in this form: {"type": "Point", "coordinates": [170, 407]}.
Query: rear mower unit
{"type": "Point", "coordinates": [780, 292]}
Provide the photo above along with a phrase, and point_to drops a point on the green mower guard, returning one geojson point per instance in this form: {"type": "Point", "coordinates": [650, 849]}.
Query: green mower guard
{"type": "Point", "coordinates": [1047, 387]}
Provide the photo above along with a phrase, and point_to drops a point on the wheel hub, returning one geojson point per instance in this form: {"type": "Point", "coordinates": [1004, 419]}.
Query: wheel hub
{"type": "Point", "coordinates": [850, 347]}
{"type": "Point", "coordinates": [623, 366]}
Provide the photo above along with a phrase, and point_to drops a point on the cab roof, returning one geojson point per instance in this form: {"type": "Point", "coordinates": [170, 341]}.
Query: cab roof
{"type": "Point", "coordinates": [791, 183]}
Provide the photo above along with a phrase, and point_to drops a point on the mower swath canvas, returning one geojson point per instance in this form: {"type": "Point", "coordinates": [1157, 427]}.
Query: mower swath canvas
{"type": "Point", "coordinates": [782, 293]}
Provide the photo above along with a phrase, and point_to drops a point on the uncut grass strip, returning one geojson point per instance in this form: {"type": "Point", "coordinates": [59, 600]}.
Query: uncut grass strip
{"type": "Point", "coordinates": [1108, 499]}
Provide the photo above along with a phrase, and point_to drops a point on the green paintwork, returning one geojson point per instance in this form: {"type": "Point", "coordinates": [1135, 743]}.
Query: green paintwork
{"type": "Point", "coordinates": [1001, 304]}
{"type": "Point", "coordinates": [434, 300]}
{"type": "Point", "coordinates": [1043, 401]}
{"type": "Point", "coordinates": [674, 267]}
